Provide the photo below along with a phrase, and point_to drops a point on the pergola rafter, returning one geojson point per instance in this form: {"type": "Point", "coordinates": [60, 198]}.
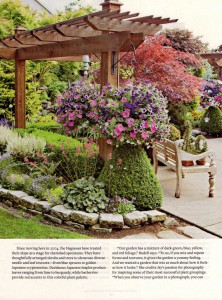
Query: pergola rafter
{"type": "Point", "coordinates": [103, 35]}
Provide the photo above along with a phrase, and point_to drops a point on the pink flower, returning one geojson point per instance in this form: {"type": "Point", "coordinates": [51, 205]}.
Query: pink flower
{"type": "Point", "coordinates": [153, 127]}
{"type": "Point", "coordinates": [126, 113]}
{"type": "Point", "coordinates": [130, 122]}
{"type": "Point", "coordinates": [109, 142]}
{"type": "Point", "coordinates": [124, 100]}
{"type": "Point", "coordinates": [93, 102]}
{"type": "Point", "coordinates": [119, 129]}
{"type": "Point", "coordinates": [38, 154]}
{"type": "Point", "coordinates": [71, 124]}
{"type": "Point", "coordinates": [144, 135]}
{"type": "Point", "coordinates": [26, 159]}
{"type": "Point", "coordinates": [146, 125]}
{"type": "Point", "coordinates": [102, 103]}
{"type": "Point", "coordinates": [133, 135]}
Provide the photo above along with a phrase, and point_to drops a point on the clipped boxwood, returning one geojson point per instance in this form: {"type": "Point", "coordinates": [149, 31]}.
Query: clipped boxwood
{"type": "Point", "coordinates": [47, 126]}
{"type": "Point", "coordinates": [174, 133]}
{"type": "Point", "coordinates": [130, 175]}
{"type": "Point", "coordinates": [211, 122]}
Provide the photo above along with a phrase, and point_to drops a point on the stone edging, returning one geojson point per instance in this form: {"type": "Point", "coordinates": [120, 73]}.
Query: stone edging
{"type": "Point", "coordinates": [103, 222]}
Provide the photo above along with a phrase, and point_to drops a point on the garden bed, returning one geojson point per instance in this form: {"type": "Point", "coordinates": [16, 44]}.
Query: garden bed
{"type": "Point", "coordinates": [21, 205]}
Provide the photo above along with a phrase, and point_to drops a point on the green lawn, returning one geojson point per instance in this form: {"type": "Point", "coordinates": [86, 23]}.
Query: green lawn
{"type": "Point", "coordinates": [16, 228]}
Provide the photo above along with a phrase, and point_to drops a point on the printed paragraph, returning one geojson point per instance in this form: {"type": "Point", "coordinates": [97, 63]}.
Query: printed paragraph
{"type": "Point", "coordinates": [74, 263]}
{"type": "Point", "coordinates": [166, 262]}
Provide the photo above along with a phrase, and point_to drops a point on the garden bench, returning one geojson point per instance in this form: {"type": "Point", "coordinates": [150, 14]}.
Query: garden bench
{"type": "Point", "coordinates": [169, 153]}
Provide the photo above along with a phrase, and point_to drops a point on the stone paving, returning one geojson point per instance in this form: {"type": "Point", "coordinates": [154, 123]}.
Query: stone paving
{"type": "Point", "coordinates": [194, 205]}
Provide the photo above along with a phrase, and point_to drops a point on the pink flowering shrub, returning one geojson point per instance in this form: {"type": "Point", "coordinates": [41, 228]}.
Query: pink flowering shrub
{"type": "Point", "coordinates": [134, 114]}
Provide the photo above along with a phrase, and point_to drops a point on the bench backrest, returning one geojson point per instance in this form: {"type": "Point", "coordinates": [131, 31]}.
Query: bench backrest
{"type": "Point", "coordinates": [167, 152]}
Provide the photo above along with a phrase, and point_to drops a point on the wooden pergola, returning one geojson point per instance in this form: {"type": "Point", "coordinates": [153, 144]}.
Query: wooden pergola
{"type": "Point", "coordinates": [103, 35]}
{"type": "Point", "coordinates": [215, 59]}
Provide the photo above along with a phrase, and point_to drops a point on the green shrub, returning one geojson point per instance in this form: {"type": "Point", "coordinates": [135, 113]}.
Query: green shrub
{"type": "Point", "coordinates": [47, 126]}
{"type": "Point", "coordinates": [174, 133]}
{"type": "Point", "coordinates": [54, 195]}
{"type": "Point", "coordinates": [13, 181]}
{"type": "Point", "coordinates": [129, 174]}
{"type": "Point", "coordinates": [211, 122]}
{"type": "Point", "coordinates": [85, 195]}
{"type": "Point", "coordinates": [40, 185]}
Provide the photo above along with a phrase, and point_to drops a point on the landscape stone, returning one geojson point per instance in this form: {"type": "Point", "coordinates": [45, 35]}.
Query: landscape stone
{"type": "Point", "coordinates": [155, 216]}
{"type": "Point", "coordinates": [53, 219]}
{"type": "Point", "coordinates": [3, 193]}
{"type": "Point", "coordinates": [196, 233]}
{"type": "Point", "coordinates": [22, 207]}
{"type": "Point", "coordinates": [84, 218]}
{"type": "Point", "coordinates": [171, 222]}
{"type": "Point", "coordinates": [169, 234]}
{"type": "Point", "coordinates": [43, 206]}
{"type": "Point", "coordinates": [16, 196]}
{"type": "Point", "coordinates": [7, 202]}
{"type": "Point", "coordinates": [126, 227]}
{"type": "Point", "coordinates": [75, 225]}
{"type": "Point", "coordinates": [140, 236]}
{"type": "Point", "coordinates": [61, 212]}
{"type": "Point", "coordinates": [28, 201]}
{"type": "Point", "coordinates": [135, 218]}
{"type": "Point", "coordinates": [99, 229]}
{"type": "Point", "coordinates": [34, 212]}
{"type": "Point", "coordinates": [111, 221]}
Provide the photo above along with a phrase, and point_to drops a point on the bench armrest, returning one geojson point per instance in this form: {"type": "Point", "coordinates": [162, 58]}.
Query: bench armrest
{"type": "Point", "coordinates": [187, 156]}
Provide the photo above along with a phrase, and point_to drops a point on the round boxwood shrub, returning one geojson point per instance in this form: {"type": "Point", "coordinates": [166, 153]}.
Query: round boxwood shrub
{"type": "Point", "coordinates": [211, 122]}
{"type": "Point", "coordinates": [174, 133]}
{"type": "Point", "coordinates": [130, 175]}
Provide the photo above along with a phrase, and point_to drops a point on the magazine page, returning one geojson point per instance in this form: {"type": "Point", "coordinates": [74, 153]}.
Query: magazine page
{"type": "Point", "coordinates": [110, 150]}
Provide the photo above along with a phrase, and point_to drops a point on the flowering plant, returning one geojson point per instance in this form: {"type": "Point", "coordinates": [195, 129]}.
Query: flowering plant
{"type": "Point", "coordinates": [134, 114]}
{"type": "Point", "coordinates": [211, 94]}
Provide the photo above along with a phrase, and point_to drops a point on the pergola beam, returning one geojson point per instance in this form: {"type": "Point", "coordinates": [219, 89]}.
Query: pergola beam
{"type": "Point", "coordinates": [100, 43]}
{"type": "Point", "coordinates": [115, 25]}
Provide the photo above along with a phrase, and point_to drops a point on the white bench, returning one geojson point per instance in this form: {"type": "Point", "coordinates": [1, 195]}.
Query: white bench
{"type": "Point", "coordinates": [171, 155]}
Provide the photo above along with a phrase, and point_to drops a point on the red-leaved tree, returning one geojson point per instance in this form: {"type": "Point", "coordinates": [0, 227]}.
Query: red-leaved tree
{"type": "Point", "coordinates": [158, 63]}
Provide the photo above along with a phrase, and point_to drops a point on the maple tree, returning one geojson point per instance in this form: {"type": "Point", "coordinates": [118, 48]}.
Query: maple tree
{"type": "Point", "coordinates": [157, 62]}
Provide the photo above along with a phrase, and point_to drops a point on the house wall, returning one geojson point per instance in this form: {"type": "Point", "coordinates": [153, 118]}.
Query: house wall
{"type": "Point", "coordinates": [36, 5]}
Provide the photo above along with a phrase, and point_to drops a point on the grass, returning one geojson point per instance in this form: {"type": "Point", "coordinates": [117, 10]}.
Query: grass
{"type": "Point", "coordinates": [16, 228]}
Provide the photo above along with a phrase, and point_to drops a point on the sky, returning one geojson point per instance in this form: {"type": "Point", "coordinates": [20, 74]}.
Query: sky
{"type": "Point", "coordinates": [202, 17]}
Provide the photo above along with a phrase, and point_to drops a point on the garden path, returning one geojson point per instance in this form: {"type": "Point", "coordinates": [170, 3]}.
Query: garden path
{"type": "Point", "coordinates": [194, 205]}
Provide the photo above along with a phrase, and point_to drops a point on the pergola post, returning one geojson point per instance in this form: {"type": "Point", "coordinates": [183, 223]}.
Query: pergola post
{"type": "Point", "coordinates": [20, 93]}
{"type": "Point", "coordinates": [110, 71]}
{"type": "Point", "coordinates": [109, 74]}
{"type": "Point", "coordinates": [20, 89]}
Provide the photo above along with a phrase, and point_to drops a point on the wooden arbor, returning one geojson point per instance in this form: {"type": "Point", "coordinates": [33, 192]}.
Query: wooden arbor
{"type": "Point", "coordinates": [215, 59]}
{"type": "Point", "coordinates": [103, 35]}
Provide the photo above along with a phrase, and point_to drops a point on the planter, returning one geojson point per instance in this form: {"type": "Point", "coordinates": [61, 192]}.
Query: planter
{"type": "Point", "coordinates": [201, 162]}
{"type": "Point", "coordinates": [105, 150]}
{"type": "Point", "coordinates": [187, 163]}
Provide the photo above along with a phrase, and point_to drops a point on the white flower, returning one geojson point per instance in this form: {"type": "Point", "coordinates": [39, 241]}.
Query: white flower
{"type": "Point", "coordinates": [206, 120]}
{"type": "Point", "coordinates": [111, 166]}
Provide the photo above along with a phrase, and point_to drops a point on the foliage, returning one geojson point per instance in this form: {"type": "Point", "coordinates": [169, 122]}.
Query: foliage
{"type": "Point", "coordinates": [39, 186]}
{"type": "Point", "coordinates": [134, 114]}
{"type": "Point", "coordinates": [19, 228]}
{"type": "Point", "coordinates": [160, 64]}
{"type": "Point", "coordinates": [6, 162]}
{"type": "Point", "coordinates": [47, 126]}
{"type": "Point", "coordinates": [129, 174]}
{"type": "Point", "coordinates": [178, 114]}
{"type": "Point", "coordinates": [211, 122]}
{"type": "Point", "coordinates": [14, 14]}
{"type": "Point", "coordinates": [211, 94]}
{"type": "Point", "coordinates": [25, 146]}
{"type": "Point", "coordinates": [201, 144]}
{"type": "Point", "coordinates": [120, 205]}
{"type": "Point", "coordinates": [188, 141]}
{"type": "Point", "coordinates": [183, 40]}
{"type": "Point", "coordinates": [13, 181]}
{"type": "Point", "coordinates": [86, 195]}
{"type": "Point", "coordinates": [174, 133]}
{"type": "Point", "coordinates": [54, 195]}
{"type": "Point", "coordinates": [6, 134]}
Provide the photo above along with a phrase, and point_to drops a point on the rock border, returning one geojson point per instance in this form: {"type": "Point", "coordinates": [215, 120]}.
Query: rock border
{"type": "Point", "coordinates": [104, 222]}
